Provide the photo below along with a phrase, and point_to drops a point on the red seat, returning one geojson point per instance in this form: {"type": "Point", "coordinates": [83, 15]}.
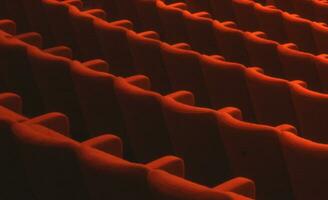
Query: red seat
{"type": "Point", "coordinates": [299, 31]}
{"type": "Point", "coordinates": [52, 75]}
{"type": "Point", "coordinates": [172, 21]}
{"type": "Point", "coordinates": [321, 63]}
{"type": "Point", "coordinates": [95, 93]}
{"type": "Point", "coordinates": [57, 15]}
{"type": "Point", "coordinates": [285, 5]}
{"type": "Point", "coordinates": [226, 85]}
{"type": "Point", "coordinates": [320, 34]}
{"type": "Point", "coordinates": [16, 74]}
{"type": "Point", "coordinates": [176, 188]}
{"type": "Point", "coordinates": [34, 9]}
{"type": "Point", "coordinates": [85, 33]}
{"type": "Point", "coordinates": [268, 110]}
{"type": "Point", "coordinates": [13, 181]}
{"type": "Point", "coordinates": [311, 110]}
{"type": "Point", "coordinates": [149, 16]}
{"type": "Point", "coordinates": [146, 50]}
{"type": "Point", "coordinates": [228, 37]}
{"type": "Point", "coordinates": [200, 32]}
{"type": "Point", "coordinates": [127, 9]}
{"type": "Point", "coordinates": [299, 65]}
{"type": "Point", "coordinates": [143, 121]}
{"type": "Point", "coordinates": [245, 15]}
{"type": "Point", "coordinates": [263, 53]}
{"type": "Point", "coordinates": [201, 149]}
{"type": "Point", "coordinates": [306, 162]}
{"type": "Point", "coordinates": [222, 10]}
{"type": "Point", "coordinates": [185, 72]}
{"type": "Point", "coordinates": [304, 8]}
{"type": "Point", "coordinates": [198, 5]}
{"type": "Point", "coordinates": [247, 146]}
{"type": "Point", "coordinates": [114, 45]}
{"type": "Point", "coordinates": [320, 10]}
{"type": "Point", "coordinates": [271, 22]}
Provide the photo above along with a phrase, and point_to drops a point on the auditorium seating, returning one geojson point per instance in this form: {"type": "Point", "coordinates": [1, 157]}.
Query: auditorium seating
{"type": "Point", "coordinates": [163, 99]}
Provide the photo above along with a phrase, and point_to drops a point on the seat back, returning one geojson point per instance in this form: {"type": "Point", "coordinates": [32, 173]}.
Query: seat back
{"type": "Point", "coordinates": [50, 161]}
{"type": "Point", "coordinates": [311, 110]}
{"type": "Point", "coordinates": [247, 146]}
{"type": "Point", "coordinates": [306, 161]}
{"type": "Point", "coordinates": [185, 72]}
{"type": "Point", "coordinates": [201, 149]}
{"type": "Point", "coordinates": [226, 85]}
{"type": "Point", "coordinates": [268, 110]}
{"type": "Point", "coordinates": [144, 122]}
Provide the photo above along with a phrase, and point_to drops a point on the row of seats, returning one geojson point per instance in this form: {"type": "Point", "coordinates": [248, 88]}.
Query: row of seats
{"type": "Point", "coordinates": [41, 161]}
{"type": "Point", "coordinates": [314, 10]}
{"type": "Point", "coordinates": [139, 107]}
{"type": "Point", "coordinates": [164, 114]}
{"type": "Point", "coordinates": [221, 41]}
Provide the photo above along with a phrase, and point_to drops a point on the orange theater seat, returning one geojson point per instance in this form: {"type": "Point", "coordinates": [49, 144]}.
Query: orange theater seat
{"type": "Point", "coordinates": [299, 31]}
{"type": "Point", "coordinates": [263, 53]}
{"type": "Point", "coordinates": [228, 37]}
{"type": "Point", "coordinates": [226, 84]}
{"type": "Point", "coordinates": [248, 145]}
{"type": "Point", "coordinates": [269, 110]}
{"type": "Point", "coordinates": [299, 65]}
{"type": "Point", "coordinates": [305, 161]}
{"type": "Point", "coordinates": [200, 32]}
{"type": "Point", "coordinates": [185, 72]}
{"type": "Point", "coordinates": [311, 111]}
{"type": "Point", "coordinates": [245, 15]}
{"type": "Point", "coordinates": [201, 149]}
{"type": "Point", "coordinates": [271, 22]}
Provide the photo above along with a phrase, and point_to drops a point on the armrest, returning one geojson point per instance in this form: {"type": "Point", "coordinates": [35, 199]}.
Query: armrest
{"type": "Point", "coordinates": [287, 127]}
{"type": "Point", "coordinates": [55, 121]}
{"type": "Point", "coordinates": [107, 143]}
{"type": "Point", "coordinates": [290, 46]}
{"type": "Point", "coordinates": [257, 69]}
{"type": "Point", "coordinates": [217, 57]}
{"type": "Point", "coordinates": [150, 34]}
{"type": "Point", "coordinates": [170, 164]}
{"type": "Point", "coordinates": [97, 65]}
{"type": "Point", "coordinates": [234, 112]}
{"type": "Point", "coordinates": [203, 14]}
{"type": "Point", "coordinates": [184, 46]}
{"type": "Point", "coordinates": [140, 81]}
{"type": "Point", "coordinates": [181, 6]}
{"type": "Point", "coordinates": [97, 13]}
{"type": "Point", "coordinates": [184, 97]}
{"type": "Point", "coordinates": [299, 82]}
{"type": "Point", "coordinates": [259, 34]}
{"type": "Point", "coordinates": [123, 23]}
{"type": "Point", "coordinates": [242, 186]}
{"type": "Point", "coordinates": [11, 101]}
{"type": "Point", "coordinates": [76, 3]}
{"type": "Point", "coordinates": [62, 51]}
{"type": "Point", "coordinates": [324, 56]}
{"type": "Point", "coordinates": [33, 38]}
{"type": "Point", "coordinates": [229, 24]}
{"type": "Point", "coordinates": [8, 26]}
